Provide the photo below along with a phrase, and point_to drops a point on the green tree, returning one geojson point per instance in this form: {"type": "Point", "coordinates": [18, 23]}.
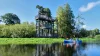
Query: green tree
{"type": "Point", "coordinates": [96, 31]}
{"type": "Point", "coordinates": [44, 11]}
{"type": "Point", "coordinates": [83, 32]}
{"type": "Point", "coordinates": [10, 18]}
{"type": "Point", "coordinates": [93, 33]}
{"type": "Point", "coordinates": [78, 24]}
{"type": "Point", "coordinates": [66, 21]}
{"type": "Point", "coordinates": [47, 11]}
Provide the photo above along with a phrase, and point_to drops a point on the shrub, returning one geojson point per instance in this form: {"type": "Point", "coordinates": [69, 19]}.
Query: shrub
{"type": "Point", "coordinates": [17, 30]}
{"type": "Point", "coordinates": [97, 37]}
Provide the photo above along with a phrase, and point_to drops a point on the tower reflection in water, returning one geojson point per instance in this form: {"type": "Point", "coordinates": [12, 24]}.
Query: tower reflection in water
{"type": "Point", "coordinates": [56, 49]}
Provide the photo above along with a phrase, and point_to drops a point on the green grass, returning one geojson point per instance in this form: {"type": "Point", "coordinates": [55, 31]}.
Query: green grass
{"type": "Point", "coordinates": [30, 40]}
{"type": "Point", "coordinates": [87, 39]}
{"type": "Point", "coordinates": [90, 40]}
{"type": "Point", "coordinates": [39, 40]}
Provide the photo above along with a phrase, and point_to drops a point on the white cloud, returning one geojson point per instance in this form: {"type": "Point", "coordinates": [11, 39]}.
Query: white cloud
{"type": "Point", "coordinates": [89, 6]}
{"type": "Point", "coordinates": [84, 26]}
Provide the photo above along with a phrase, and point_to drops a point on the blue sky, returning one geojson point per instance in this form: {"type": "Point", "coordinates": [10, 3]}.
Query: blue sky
{"type": "Point", "coordinates": [26, 9]}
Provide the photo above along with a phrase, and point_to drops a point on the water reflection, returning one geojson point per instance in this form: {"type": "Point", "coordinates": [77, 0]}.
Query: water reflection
{"type": "Point", "coordinates": [56, 49]}
{"type": "Point", "coordinates": [16, 50]}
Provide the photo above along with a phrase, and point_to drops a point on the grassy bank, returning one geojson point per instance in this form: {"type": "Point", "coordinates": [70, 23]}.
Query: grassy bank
{"type": "Point", "coordinates": [39, 40]}
{"type": "Point", "coordinates": [30, 40]}
{"type": "Point", "coordinates": [88, 39]}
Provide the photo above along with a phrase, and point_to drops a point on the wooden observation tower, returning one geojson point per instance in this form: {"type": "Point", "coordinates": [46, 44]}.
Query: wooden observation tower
{"type": "Point", "coordinates": [45, 26]}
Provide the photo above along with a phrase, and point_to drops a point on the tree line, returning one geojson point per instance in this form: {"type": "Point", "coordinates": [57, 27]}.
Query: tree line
{"type": "Point", "coordinates": [89, 33]}
{"type": "Point", "coordinates": [13, 28]}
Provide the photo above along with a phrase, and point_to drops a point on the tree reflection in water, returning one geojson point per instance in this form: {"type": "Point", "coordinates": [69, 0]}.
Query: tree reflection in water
{"type": "Point", "coordinates": [55, 49]}
{"type": "Point", "coordinates": [16, 50]}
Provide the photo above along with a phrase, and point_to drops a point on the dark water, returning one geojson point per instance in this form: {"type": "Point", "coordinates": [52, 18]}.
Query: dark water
{"type": "Point", "coordinates": [56, 49]}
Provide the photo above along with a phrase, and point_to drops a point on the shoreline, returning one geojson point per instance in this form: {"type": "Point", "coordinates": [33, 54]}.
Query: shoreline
{"type": "Point", "coordinates": [4, 41]}
{"type": "Point", "coordinates": [30, 40]}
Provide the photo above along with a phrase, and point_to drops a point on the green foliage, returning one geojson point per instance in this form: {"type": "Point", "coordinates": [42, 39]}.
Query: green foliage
{"type": "Point", "coordinates": [79, 19]}
{"type": "Point", "coordinates": [88, 33]}
{"type": "Point", "coordinates": [44, 11]}
{"type": "Point", "coordinates": [96, 31]}
{"type": "Point", "coordinates": [10, 18]}
{"type": "Point", "coordinates": [97, 37]}
{"type": "Point", "coordinates": [93, 33]}
{"type": "Point", "coordinates": [83, 32]}
{"type": "Point", "coordinates": [17, 30]}
{"type": "Point", "coordinates": [65, 19]}
{"type": "Point", "coordinates": [78, 32]}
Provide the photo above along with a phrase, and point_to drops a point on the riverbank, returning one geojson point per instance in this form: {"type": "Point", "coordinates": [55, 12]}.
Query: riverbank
{"type": "Point", "coordinates": [90, 40]}
{"type": "Point", "coordinates": [30, 40]}
{"type": "Point", "coordinates": [39, 40]}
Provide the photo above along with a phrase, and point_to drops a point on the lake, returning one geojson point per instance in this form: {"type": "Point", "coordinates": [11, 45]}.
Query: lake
{"type": "Point", "coordinates": [55, 49]}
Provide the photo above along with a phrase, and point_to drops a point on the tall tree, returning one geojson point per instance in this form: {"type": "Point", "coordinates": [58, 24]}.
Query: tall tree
{"type": "Point", "coordinates": [78, 24]}
{"type": "Point", "coordinates": [10, 18]}
{"type": "Point", "coordinates": [66, 21]}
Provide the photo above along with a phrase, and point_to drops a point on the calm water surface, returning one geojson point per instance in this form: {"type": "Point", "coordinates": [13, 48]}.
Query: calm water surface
{"type": "Point", "coordinates": [56, 49]}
